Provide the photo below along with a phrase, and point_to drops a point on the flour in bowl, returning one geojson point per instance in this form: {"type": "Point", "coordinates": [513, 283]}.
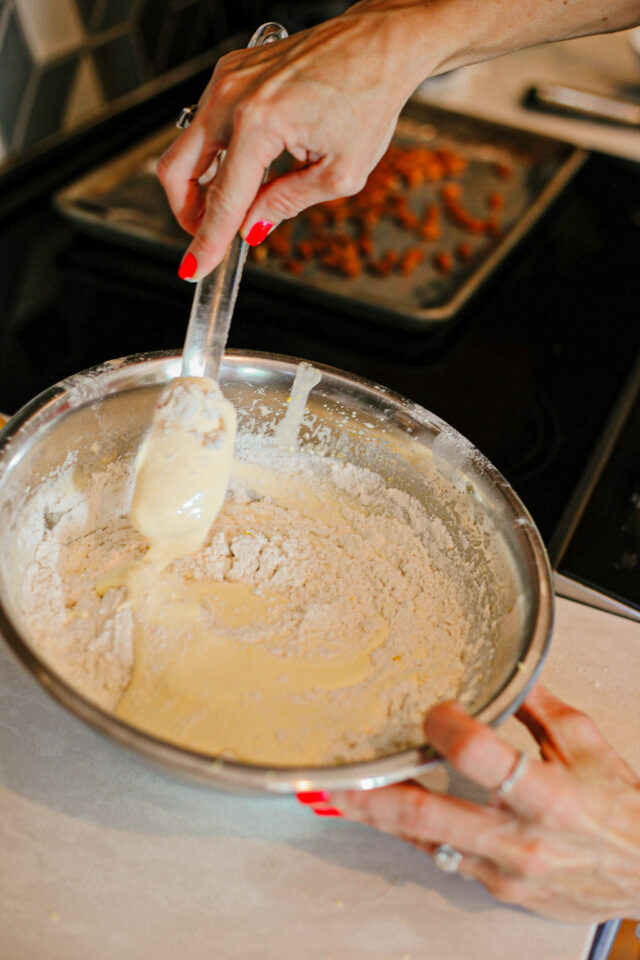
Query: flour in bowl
{"type": "Point", "coordinates": [321, 618]}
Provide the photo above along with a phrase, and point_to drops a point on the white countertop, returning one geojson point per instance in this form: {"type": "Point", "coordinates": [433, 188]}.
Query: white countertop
{"type": "Point", "coordinates": [606, 64]}
{"type": "Point", "coordinates": [102, 857]}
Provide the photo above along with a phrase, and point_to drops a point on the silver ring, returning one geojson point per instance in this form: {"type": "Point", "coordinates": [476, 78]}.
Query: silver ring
{"type": "Point", "coordinates": [447, 858]}
{"type": "Point", "coordinates": [516, 774]}
{"type": "Point", "coordinates": [186, 116]}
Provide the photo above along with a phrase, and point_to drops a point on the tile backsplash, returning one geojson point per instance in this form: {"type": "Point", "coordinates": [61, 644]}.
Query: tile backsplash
{"type": "Point", "coordinates": [63, 60]}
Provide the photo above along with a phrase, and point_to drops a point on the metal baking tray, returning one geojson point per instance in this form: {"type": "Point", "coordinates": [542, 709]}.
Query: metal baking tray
{"type": "Point", "coordinates": [123, 201]}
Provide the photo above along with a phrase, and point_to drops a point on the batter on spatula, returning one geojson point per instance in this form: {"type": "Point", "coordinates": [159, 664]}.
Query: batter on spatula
{"type": "Point", "coordinates": [183, 467]}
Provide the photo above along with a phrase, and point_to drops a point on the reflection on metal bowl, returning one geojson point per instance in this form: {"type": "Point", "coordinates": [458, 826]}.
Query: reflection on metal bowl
{"type": "Point", "coordinates": [102, 414]}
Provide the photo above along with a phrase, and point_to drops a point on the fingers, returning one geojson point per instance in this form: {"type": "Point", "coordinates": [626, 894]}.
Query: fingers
{"type": "Point", "coordinates": [495, 845]}
{"type": "Point", "coordinates": [546, 791]}
{"type": "Point", "coordinates": [287, 195]}
{"type": "Point", "coordinates": [507, 881]}
{"type": "Point", "coordinates": [471, 747]}
{"type": "Point", "coordinates": [179, 168]}
{"type": "Point", "coordinates": [414, 813]}
{"type": "Point", "coordinates": [228, 197]}
{"type": "Point", "coordinates": [563, 733]}
{"type": "Point", "coordinates": [237, 199]}
{"type": "Point", "coordinates": [477, 752]}
{"type": "Point", "coordinates": [502, 885]}
{"type": "Point", "coordinates": [190, 162]}
{"type": "Point", "coordinates": [570, 737]}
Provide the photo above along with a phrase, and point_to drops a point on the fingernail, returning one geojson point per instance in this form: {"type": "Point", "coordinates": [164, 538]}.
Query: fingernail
{"type": "Point", "coordinates": [188, 267]}
{"type": "Point", "coordinates": [313, 796]}
{"type": "Point", "coordinates": [326, 812]}
{"type": "Point", "coordinates": [258, 232]}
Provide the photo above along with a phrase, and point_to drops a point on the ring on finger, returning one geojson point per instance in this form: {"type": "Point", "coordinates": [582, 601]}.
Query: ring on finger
{"type": "Point", "coordinates": [186, 116]}
{"type": "Point", "coordinates": [447, 858]}
{"type": "Point", "coordinates": [506, 786]}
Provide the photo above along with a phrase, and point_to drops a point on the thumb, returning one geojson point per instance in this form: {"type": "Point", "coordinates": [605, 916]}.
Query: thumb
{"type": "Point", "coordinates": [228, 197]}
{"type": "Point", "coordinates": [288, 194]}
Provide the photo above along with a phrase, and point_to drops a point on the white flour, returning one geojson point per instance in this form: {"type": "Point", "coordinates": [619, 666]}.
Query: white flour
{"type": "Point", "coordinates": [356, 579]}
{"type": "Point", "coordinates": [87, 639]}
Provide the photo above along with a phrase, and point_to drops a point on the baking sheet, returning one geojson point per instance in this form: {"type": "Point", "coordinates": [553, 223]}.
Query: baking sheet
{"type": "Point", "coordinates": [124, 202]}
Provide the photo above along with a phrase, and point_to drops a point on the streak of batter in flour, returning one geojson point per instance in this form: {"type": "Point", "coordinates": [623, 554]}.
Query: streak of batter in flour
{"type": "Point", "coordinates": [286, 431]}
{"type": "Point", "coordinates": [315, 625]}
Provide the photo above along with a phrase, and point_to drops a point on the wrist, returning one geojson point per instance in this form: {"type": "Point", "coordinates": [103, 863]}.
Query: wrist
{"type": "Point", "coordinates": [422, 38]}
{"type": "Point", "coordinates": [409, 41]}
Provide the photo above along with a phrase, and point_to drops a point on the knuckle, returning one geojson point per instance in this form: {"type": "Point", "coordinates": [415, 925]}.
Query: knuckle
{"type": "Point", "coordinates": [344, 180]}
{"type": "Point", "coordinates": [164, 167]}
{"type": "Point", "coordinates": [531, 858]}
{"type": "Point", "coordinates": [505, 888]}
{"type": "Point", "coordinates": [220, 204]}
{"type": "Point", "coordinates": [362, 806]}
{"type": "Point", "coordinates": [563, 806]}
{"type": "Point", "coordinates": [250, 114]}
{"type": "Point", "coordinates": [210, 237]}
{"type": "Point", "coordinates": [415, 815]}
{"type": "Point", "coordinates": [228, 61]}
{"type": "Point", "coordinates": [284, 206]}
{"type": "Point", "coordinates": [223, 63]}
{"type": "Point", "coordinates": [465, 749]}
{"type": "Point", "coordinates": [224, 85]}
{"type": "Point", "coordinates": [226, 69]}
{"type": "Point", "coordinates": [581, 726]}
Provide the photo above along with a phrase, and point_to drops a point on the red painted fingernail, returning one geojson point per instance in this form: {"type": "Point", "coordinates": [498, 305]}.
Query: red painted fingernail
{"type": "Point", "coordinates": [326, 812]}
{"type": "Point", "coordinates": [313, 796]}
{"type": "Point", "coordinates": [188, 267]}
{"type": "Point", "coordinates": [258, 232]}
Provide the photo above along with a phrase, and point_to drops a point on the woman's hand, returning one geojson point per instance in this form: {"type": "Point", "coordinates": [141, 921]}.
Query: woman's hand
{"type": "Point", "coordinates": [565, 842]}
{"type": "Point", "coordinates": [330, 96]}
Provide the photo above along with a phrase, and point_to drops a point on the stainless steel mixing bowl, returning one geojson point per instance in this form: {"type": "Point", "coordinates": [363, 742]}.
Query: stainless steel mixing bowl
{"type": "Point", "coordinates": [101, 414]}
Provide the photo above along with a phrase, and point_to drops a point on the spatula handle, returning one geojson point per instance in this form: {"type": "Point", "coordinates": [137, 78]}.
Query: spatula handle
{"type": "Point", "coordinates": [215, 295]}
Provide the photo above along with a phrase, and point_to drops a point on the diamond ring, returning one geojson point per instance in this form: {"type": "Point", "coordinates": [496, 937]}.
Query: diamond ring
{"type": "Point", "coordinates": [186, 116]}
{"type": "Point", "coordinates": [447, 858]}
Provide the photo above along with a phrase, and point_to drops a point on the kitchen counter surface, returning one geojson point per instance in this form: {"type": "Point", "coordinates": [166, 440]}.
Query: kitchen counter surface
{"type": "Point", "coordinates": [495, 89]}
{"type": "Point", "coordinates": [101, 856]}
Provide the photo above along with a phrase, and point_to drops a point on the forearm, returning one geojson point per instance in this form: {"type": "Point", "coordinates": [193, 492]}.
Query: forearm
{"type": "Point", "coordinates": [308, 95]}
{"type": "Point", "coordinates": [432, 36]}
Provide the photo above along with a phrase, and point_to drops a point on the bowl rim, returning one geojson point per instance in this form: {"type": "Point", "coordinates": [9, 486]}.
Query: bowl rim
{"type": "Point", "coordinates": [226, 773]}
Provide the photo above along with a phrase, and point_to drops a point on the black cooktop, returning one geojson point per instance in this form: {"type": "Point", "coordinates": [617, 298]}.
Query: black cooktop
{"type": "Point", "coordinates": [601, 546]}
{"type": "Point", "coordinates": [531, 372]}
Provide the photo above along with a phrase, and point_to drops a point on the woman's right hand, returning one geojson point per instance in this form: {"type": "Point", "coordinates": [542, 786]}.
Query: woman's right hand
{"type": "Point", "coordinates": [330, 96]}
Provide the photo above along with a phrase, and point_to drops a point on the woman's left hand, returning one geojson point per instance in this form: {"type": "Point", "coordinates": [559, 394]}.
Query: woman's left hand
{"type": "Point", "coordinates": [564, 842]}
